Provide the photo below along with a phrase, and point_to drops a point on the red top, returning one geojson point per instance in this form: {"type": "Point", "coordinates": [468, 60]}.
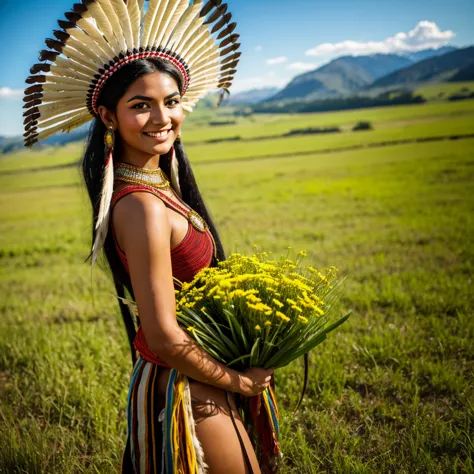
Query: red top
{"type": "Point", "coordinates": [191, 255]}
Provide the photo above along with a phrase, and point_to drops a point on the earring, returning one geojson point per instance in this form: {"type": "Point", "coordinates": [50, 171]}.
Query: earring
{"type": "Point", "coordinates": [109, 138]}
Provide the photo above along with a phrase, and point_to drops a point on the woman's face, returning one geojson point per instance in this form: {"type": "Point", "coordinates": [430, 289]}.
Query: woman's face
{"type": "Point", "coordinates": [149, 115]}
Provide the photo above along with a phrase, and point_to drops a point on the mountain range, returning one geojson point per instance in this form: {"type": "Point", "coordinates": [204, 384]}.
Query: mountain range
{"type": "Point", "coordinates": [349, 75]}
{"type": "Point", "coordinates": [341, 78]}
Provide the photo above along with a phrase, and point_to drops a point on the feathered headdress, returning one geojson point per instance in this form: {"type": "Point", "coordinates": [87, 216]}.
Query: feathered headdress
{"type": "Point", "coordinates": [101, 36]}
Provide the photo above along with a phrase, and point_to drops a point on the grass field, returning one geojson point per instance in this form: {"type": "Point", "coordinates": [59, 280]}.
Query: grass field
{"type": "Point", "coordinates": [390, 392]}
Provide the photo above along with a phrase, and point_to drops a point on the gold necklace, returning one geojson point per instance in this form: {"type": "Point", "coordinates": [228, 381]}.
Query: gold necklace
{"type": "Point", "coordinates": [135, 175]}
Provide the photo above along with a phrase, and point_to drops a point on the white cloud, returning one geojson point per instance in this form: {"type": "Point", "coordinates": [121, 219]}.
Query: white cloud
{"type": "Point", "coordinates": [425, 35]}
{"type": "Point", "coordinates": [278, 60]}
{"type": "Point", "coordinates": [258, 48]}
{"type": "Point", "coordinates": [7, 93]}
{"type": "Point", "coordinates": [301, 66]}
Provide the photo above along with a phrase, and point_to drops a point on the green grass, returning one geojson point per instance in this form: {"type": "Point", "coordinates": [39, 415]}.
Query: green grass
{"type": "Point", "coordinates": [443, 90]}
{"type": "Point", "coordinates": [391, 391]}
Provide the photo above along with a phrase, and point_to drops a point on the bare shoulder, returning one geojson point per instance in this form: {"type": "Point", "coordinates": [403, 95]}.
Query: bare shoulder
{"type": "Point", "coordinates": [139, 212]}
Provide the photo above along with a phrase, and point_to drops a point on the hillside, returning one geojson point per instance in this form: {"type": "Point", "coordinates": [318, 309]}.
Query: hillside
{"type": "Point", "coordinates": [251, 96]}
{"type": "Point", "coordinates": [344, 75]}
{"type": "Point", "coordinates": [436, 69]}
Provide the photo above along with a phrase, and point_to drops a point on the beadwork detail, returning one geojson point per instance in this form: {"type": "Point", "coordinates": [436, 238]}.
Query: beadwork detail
{"type": "Point", "coordinates": [135, 175]}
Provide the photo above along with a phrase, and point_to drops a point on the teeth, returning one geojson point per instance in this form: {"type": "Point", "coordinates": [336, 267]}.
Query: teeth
{"type": "Point", "coordinates": [160, 134]}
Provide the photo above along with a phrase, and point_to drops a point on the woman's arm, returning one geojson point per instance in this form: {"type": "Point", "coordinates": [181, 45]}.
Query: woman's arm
{"type": "Point", "coordinates": [144, 232]}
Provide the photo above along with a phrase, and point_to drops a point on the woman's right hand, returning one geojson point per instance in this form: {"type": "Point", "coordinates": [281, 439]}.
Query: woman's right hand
{"type": "Point", "coordinates": [254, 381]}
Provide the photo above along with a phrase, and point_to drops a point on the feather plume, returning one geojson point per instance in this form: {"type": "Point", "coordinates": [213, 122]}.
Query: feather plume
{"type": "Point", "coordinates": [90, 28]}
{"type": "Point", "coordinates": [60, 119]}
{"type": "Point", "coordinates": [53, 87]}
{"type": "Point", "coordinates": [200, 37]}
{"type": "Point", "coordinates": [231, 58]}
{"type": "Point", "coordinates": [134, 12]}
{"type": "Point", "coordinates": [61, 95]}
{"type": "Point", "coordinates": [57, 113]}
{"type": "Point", "coordinates": [209, 6]}
{"type": "Point", "coordinates": [67, 63]}
{"type": "Point", "coordinates": [225, 19]}
{"type": "Point", "coordinates": [68, 72]}
{"type": "Point", "coordinates": [153, 18]}
{"type": "Point", "coordinates": [170, 18]}
{"type": "Point", "coordinates": [102, 224]}
{"type": "Point", "coordinates": [220, 11]}
{"type": "Point", "coordinates": [183, 27]}
{"type": "Point", "coordinates": [175, 173]}
{"type": "Point", "coordinates": [229, 49]}
{"type": "Point", "coordinates": [124, 21]}
{"type": "Point", "coordinates": [231, 39]}
{"type": "Point", "coordinates": [55, 79]}
{"type": "Point", "coordinates": [38, 106]}
{"type": "Point", "coordinates": [75, 55]}
{"type": "Point", "coordinates": [96, 13]}
{"type": "Point", "coordinates": [197, 52]}
{"type": "Point", "coordinates": [227, 31]}
{"type": "Point", "coordinates": [114, 21]}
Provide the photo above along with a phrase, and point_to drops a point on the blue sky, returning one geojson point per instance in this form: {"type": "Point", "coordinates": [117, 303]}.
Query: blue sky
{"type": "Point", "coordinates": [280, 39]}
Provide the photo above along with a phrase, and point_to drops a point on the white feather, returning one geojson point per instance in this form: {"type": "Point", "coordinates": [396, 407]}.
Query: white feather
{"type": "Point", "coordinates": [88, 47]}
{"type": "Point", "coordinates": [196, 42]}
{"type": "Point", "coordinates": [102, 224]}
{"type": "Point", "coordinates": [75, 55]}
{"type": "Point", "coordinates": [52, 87]}
{"type": "Point", "coordinates": [181, 30]}
{"type": "Point", "coordinates": [55, 79]}
{"type": "Point", "coordinates": [50, 96]}
{"type": "Point", "coordinates": [110, 13]}
{"type": "Point", "coordinates": [197, 52]}
{"type": "Point", "coordinates": [170, 18]}
{"type": "Point", "coordinates": [135, 19]}
{"type": "Point", "coordinates": [175, 174]}
{"type": "Point", "coordinates": [209, 50]}
{"type": "Point", "coordinates": [46, 132]}
{"type": "Point", "coordinates": [96, 13]}
{"type": "Point", "coordinates": [90, 28]}
{"type": "Point", "coordinates": [152, 20]}
{"type": "Point", "coordinates": [72, 104]}
{"type": "Point", "coordinates": [58, 119]}
{"type": "Point", "coordinates": [70, 71]}
{"type": "Point", "coordinates": [124, 20]}
{"type": "Point", "coordinates": [67, 63]}
{"type": "Point", "coordinates": [67, 109]}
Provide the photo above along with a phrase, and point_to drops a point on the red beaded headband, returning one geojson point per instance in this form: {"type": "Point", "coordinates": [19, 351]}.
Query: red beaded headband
{"type": "Point", "coordinates": [134, 57]}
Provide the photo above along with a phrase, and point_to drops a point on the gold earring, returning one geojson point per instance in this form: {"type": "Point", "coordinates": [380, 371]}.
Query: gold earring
{"type": "Point", "coordinates": [109, 138]}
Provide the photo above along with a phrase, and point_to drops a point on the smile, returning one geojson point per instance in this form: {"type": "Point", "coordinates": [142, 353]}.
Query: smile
{"type": "Point", "coordinates": [157, 134]}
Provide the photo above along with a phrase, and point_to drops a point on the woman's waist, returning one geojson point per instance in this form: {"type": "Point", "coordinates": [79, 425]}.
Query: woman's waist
{"type": "Point", "coordinates": [146, 353]}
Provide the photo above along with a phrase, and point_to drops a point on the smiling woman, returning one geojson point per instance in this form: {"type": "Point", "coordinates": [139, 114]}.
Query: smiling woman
{"type": "Point", "coordinates": [137, 73]}
{"type": "Point", "coordinates": [153, 239]}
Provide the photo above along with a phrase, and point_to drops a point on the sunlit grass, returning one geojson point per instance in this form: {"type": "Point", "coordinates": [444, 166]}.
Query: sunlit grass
{"type": "Point", "coordinates": [390, 392]}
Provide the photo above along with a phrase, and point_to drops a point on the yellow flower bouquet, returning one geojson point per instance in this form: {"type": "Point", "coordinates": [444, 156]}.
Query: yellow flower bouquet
{"type": "Point", "coordinates": [259, 312]}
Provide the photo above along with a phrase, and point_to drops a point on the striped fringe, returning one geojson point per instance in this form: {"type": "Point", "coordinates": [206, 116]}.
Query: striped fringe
{"type": "Point", "coordinates": [166, 442]}
{"type": "Point", "coordinates": [183, 451]}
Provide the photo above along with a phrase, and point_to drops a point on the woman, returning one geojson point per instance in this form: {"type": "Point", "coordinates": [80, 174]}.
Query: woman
{"type": "Point", "coordinates": [158, 67]}
{"type": "Point", "coordinates": [141, 103]}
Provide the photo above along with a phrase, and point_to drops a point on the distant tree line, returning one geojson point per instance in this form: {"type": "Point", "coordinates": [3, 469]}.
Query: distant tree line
{"type": "Point", "coordinates": [328, 105]}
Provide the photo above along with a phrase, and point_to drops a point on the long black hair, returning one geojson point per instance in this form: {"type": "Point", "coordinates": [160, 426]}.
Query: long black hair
{"type": "Point", "coordinates": [93, 172]}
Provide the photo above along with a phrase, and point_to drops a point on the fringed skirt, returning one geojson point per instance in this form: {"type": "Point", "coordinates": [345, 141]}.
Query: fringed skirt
{"type": "Point", "coordinates": [144, 451]}
{"type": "Point", "coordinates": [161, 432]}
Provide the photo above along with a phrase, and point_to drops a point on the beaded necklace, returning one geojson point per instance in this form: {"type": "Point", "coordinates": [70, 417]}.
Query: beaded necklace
{"type": "Point", "coordinates": [158, 182]}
